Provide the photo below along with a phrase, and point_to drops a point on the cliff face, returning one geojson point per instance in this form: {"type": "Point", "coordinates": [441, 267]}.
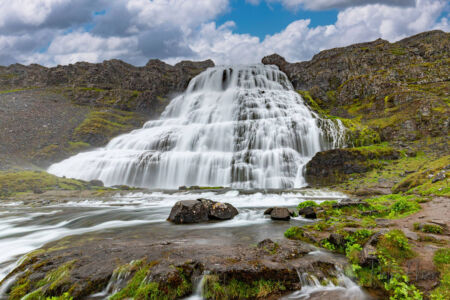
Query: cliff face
{"type": "Point", "coordinates": [112, 83]}
{"type": "Point", "coordinates": [47, 114]}
{"type": "Point", "coordinates": [401, 89]}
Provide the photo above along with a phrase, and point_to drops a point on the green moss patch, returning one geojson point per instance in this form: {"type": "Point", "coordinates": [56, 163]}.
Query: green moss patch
{"type": "Point", "coordinates": [442, 261]}
{"type": "Point", "coordinates": [234, 289]}
{"type": "Point", "coordinates": [36, 181]}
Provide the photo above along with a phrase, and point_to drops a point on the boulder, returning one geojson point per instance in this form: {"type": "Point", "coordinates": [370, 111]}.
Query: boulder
{"type": "Point", "coordinates": [268, 211]}
{"type": "Point", "coordinates": [308, 212]}
{"type": "Point", "coordinates": [280, 213]}
{"type": "Point", "coordinates": [188, 211]}
{"type": "Point", "coordinates": [222, 211]}
{"type": "Point", "coordinates": [201, 210]}
{"type": "Point", "coordinates": [368, 256]}
{"type": "Point", "coordinates": [96, 182]}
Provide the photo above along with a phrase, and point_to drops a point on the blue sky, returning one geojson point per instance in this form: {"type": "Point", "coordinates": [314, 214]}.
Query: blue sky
{"type": "Point", "coordinates": [269, 18]}
{"type": "Point", "coordinates": [51, 32]}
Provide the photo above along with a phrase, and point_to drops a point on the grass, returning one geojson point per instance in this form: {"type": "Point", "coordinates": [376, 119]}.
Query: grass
{"type": "Point", "coordinates": [441, 260]}
{"type": "Point", "coordinates": [36, 181]}
{"type": "Point", "coordinates": [234, 289]}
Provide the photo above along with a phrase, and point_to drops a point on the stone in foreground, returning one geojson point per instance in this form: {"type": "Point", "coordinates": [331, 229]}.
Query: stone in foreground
{"type": "Point", "coordinates": [201, 210]}
{"type": "Point", "coordinates": [280, 213]}
{"type": "Point", "coordinates": [188, 211]}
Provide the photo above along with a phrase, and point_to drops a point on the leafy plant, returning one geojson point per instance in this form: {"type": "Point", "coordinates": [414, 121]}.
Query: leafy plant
{"type": "Point", "coordinates": [306, 204]}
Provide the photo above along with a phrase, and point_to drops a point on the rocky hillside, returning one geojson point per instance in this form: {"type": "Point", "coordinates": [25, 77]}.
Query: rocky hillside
{"type": "Point", "coordinates": [47, 114]}
{"type": "Point", "coordinates": [401, 89]}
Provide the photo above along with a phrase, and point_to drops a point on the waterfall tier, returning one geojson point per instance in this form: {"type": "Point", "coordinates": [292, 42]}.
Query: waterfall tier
{"type": "Point", "coordinates": [238, 126]}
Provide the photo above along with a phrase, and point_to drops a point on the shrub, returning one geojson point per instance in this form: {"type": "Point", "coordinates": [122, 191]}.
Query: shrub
{"type": "Point", "coordinates": [306, 204]}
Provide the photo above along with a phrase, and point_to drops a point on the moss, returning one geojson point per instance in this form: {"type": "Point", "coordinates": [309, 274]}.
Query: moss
{"type": "Point", "coordinates": [307, 203]}
{"type": "Point", "coordinates": [295, 233]}
{"type": "Point", "coordinates": [398, 51]}
{"type": "Point", "coordinates": [58, 280]}
{"type": "Point", "coordinates": [394, 206]}
{"type": "Point", "coordinates": [101, 126]}
{"type": "Point", "coordinates": [141, 287]}
{"type": "Point", "coordinates": [421, 181]}
{"type": "Point", "coordinates": [12, 91]}
{"type": "Point", "coordinates": [259, 289]}
{"type": "Point", "coordinates": [27, 181]}
{"type": "Point", "coordinates": [430, 228]}
{"type": "Point", "coordinates": [441, 260]}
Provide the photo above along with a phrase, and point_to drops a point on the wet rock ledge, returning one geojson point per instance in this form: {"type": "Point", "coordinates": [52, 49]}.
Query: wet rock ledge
{"type": "Point", "coordinates": [140, 268]}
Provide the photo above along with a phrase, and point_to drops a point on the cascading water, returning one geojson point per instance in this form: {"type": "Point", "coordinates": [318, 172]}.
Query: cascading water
{"type": "Point", "coordinates": [239, 126]}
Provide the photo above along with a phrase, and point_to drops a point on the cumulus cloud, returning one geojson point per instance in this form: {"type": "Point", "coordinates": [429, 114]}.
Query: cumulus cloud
{"type": "Point", "coordinates": [136, 30]}
{"type": "Point", "coordinates": [331, 4]}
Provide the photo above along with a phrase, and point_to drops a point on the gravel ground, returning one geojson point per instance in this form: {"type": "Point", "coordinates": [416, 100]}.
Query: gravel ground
{"type": "Point", "coordinates": [33, 119]}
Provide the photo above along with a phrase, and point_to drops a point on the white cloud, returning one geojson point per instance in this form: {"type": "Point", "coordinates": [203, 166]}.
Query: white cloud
{"type": "Point", "coordinates": [332, 4]}
{"type": "Point", "coordinates": [136, 30]}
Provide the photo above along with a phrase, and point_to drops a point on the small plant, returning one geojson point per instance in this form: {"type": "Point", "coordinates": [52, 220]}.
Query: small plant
{"type": "Point", "coordinates": [327, 245]}
{"type": "Point", "coordinates": [430, 228]}
{"type": "Point", "coordinates": [306, 204]}
{"type": "Point", "coordinates": [352, 253]}
{"type": "Point", "coordinates": [294, 233]}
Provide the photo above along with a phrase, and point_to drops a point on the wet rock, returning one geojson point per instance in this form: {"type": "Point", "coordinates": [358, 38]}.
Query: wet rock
{"type": "Point", "coordinates": [222, 211]}
{"type": "Point", "coordinates": [280, 213]}
{"type": "Point", "coordinates": [439, 177]}
{"type": "Point", "coordinates": [96, 182]}
{"type": "Point", "coordinates": [268, 245]}
{"type": "Point", "coordinates": [188, 211]}
{"type": "Point", "coordinates": [201, 210]}
{"type": "Point", "coordinates": [308, 212]}
{"type": "Point", "coordinates": [349, 203]}
{"type": "Point", "coordinates": [268, 211]}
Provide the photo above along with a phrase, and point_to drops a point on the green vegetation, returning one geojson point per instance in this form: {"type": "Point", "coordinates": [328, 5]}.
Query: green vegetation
{"type": "Point", "coordinates": [306, 204]}
{"type": "Point", "coordinates": [140, 287]}
{"type": "Point", "coordinates": [422, 181]}
{"type": "Point", "coordinates": [36, 181]}
{"type": "Point", "coordinates": [234, 289]}
{"type": "Point", "coordinates": [54, 282]}
{"type": "Point", "coordinates": [295, 233]}
{"type": "Point", "coordinates": [428, 228]}
{"type": "Point", "coordinates": [12, 91]}
{"type": "Point", "coordinates": [442, 261]}
{"type": "Point", "coordinates": [101, 126]}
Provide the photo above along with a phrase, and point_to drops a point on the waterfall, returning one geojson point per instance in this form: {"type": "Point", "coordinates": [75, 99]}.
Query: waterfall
{"type": "Point", "coordinates": [237, 126]}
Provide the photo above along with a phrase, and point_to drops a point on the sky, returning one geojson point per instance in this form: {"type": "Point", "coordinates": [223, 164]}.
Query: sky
{"type": "Point", "coordinates": [52, 32]}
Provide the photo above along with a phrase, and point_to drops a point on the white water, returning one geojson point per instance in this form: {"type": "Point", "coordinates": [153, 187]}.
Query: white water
{"type": "Point", "coordinates": [24, 229]}
{"type": "Point", "coordinates": [242, 127]}
{"type": "Point", "coordinates": [345, 289]}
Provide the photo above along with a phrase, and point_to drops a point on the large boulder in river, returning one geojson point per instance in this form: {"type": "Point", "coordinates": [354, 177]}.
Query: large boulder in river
{"type": "Point", "coordinates": [201, 210]}
{"type": "Point", "coordinates": [308, 212]}
{"type": "Point", "coordinates": [188, 211]}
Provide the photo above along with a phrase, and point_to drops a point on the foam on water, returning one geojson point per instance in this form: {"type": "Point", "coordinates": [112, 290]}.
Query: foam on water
{"type": "Point", "coordinates": [239, 126]}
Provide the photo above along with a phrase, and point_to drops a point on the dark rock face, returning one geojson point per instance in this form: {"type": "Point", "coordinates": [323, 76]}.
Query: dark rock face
{"type": "Point", "coordinates": [370, 80]}
{"type": "Point", "coordinates": [280, 213]}
{"type": "Point", "coordinates": [308, 212]}
{"type": "Point", "coordinates": [96, 182]}
{"type": "Point", "coordinates": [367, 256]}
{"type": "Point", "coordinates": [188, 211]}
{"type": "Point", "coordinates": [201, 210]}
{"type": "Point", "coordinates": [333, 166]}
{"type": "Point", "coordinates": [219, 210]}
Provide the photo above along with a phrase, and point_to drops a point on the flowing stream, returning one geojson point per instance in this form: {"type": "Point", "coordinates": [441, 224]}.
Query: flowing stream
{"type": "Point", "coordinates": [242, 127]}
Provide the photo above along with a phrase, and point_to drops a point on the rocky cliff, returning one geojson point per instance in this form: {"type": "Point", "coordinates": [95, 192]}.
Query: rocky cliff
{"type": "Point", "coordinates": [47, 114]}
{"type": "Point", "coordinates": [401, 89]}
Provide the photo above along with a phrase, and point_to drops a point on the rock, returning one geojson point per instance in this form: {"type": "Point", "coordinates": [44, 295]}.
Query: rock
{"type": "Point", "coordinates": [188, 211]}
{"type": "Point", "coordinates": [268, 211]}
{"type": "Point", "coordinates": [280, 213]}
{"type": "Point", "coordinates": [368, 257]}
{"type": "Point", "coordinates": [308, 212]}
{"type": "Point", "coordinates": [439, 177]}
{"type": "Point", "coordinates": [222, 211]}
{"type": "Point", "coordinates": [337, 240]}
{"type": "Point", "coordinates": [96, 182]}
{"type": "Point", "coordinates": [349, 203]}
{"type": "Point", "coordinates": [37, 190]}
{"type": "Point", "coordinates": [268, 245]}
{"type": "Point", "coordinates": [201, 210]}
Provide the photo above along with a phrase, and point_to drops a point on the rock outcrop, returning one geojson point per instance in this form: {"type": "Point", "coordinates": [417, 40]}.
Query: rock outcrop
{"type": "Point", "coordinates": [201, 210]}
{"type": "Point", "coordinates": [333, 166]}
{"type": "Point", "coordinates": [397, 89]}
